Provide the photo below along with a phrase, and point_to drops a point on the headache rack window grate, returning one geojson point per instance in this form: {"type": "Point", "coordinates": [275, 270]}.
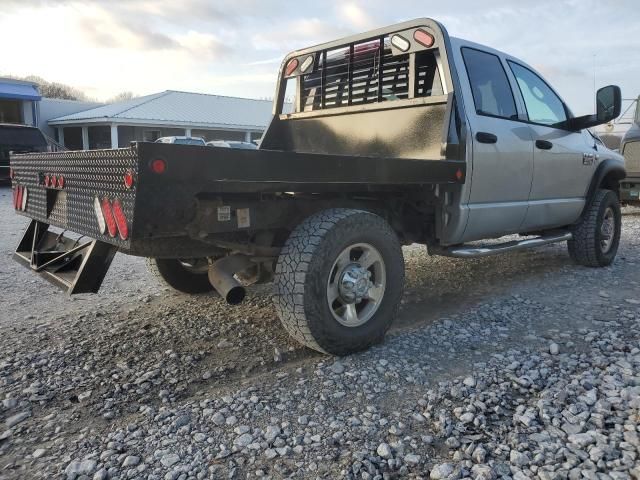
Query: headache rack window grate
{"type": "Point", "coordinates": [364, 73]}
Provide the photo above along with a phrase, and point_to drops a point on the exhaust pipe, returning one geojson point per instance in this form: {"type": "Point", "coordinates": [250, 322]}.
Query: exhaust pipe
{"type": "Point", "coordinates": [221, 276]}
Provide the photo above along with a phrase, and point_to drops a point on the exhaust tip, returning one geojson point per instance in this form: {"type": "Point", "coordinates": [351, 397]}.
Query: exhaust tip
{"type": "Point", "coordinates": [235, 296]}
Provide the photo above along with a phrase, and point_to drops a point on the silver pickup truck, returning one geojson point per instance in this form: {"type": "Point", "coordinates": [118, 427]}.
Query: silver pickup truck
{"type": "Point", "coordinates": [395, 136]}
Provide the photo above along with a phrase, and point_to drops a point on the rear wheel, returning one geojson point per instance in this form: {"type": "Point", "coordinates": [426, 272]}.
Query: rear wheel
{"type": "Point", "coordinates": [339, 281]}
{"type": "Point", "coordinates": [186, 276]}
{"type": "Point", "coordinates": [596, 238]}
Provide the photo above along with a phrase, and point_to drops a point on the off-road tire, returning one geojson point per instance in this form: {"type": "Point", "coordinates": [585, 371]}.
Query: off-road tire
{"type": "Point", "coordinates": [584, 247]}
{"type": "Point", "coordinates": [172, 273]}
{"type": "Point", "coordinates": [303, 269]}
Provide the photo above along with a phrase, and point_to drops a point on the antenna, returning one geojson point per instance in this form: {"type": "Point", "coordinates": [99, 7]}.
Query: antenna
{"type": "Point", "coordinates": [594, 83]}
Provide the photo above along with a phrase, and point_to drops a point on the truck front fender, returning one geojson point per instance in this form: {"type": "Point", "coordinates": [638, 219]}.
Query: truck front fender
{"type": "Point", "coordinates": [607, 175]}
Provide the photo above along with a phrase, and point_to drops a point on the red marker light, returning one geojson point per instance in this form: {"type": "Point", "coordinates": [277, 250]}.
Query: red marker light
{"type": "Point", "coordinates": [459, 174]}
{"type": "Point", "coordinates": [424, 38]}
{"type": "Point", "coordinates": [128, 179]}
{"type": "Point", "coordinates": [291, 66]}
{"type": "Point", "coordinates": [18, 203]}
{"type": "Point", "coordinates": [60, 181]}
{"type": "Point", "coordinates": [121, 220]}
{"type": "Point", "coordinates": [158, 166]}
{"type": "Point", "coordinates": [46, 180]}
{"type": "Point", "coordinates": [109, 219]}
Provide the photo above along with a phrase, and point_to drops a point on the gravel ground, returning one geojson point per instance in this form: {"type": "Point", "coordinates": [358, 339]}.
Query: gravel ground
{"type": "Point", "coordinates": [519, 366]}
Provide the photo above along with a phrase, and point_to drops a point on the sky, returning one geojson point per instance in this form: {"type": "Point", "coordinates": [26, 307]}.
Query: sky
{"type": "Point", "coordinates": [234, 47]}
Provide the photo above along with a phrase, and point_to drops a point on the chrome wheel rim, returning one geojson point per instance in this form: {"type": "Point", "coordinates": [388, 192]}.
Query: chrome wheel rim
{"type": "Point", "coordinates": [607, 230]}
{"type": "Point", "coordinates": [356, 284]}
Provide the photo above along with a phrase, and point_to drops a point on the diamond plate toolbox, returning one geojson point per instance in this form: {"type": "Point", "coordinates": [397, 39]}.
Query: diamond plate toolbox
{"type": "Point", "coordinates": [87, 175]}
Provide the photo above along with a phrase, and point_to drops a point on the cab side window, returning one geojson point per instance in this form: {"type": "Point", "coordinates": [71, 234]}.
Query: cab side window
{"type": "Point", "coordinates": [543, 105]}
{"type": "Point", "coordinates": [491, 90]}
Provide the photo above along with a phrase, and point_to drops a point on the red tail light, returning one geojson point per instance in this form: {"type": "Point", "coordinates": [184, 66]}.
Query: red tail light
{"type": "Point", "coordinates": [109, 219]}
{"type": "Point", "coordinates": [424, 38]}
{"type": "Point", "coordinates": [158, 166]}
{"type": "Point", "coordinates": [128, 179]}
{"type": "Point", "coordinates": [121, 220]}
{"type": "Point", "coordinates": [18, 203]}
{"type": "Point", "coordinates": [291, 66]}
{"type": "Point", "coordinates": [46, 180]}
{"type": "Point", "coordinates": [60, 182]}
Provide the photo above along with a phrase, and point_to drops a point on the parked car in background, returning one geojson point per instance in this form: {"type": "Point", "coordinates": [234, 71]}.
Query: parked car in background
{"type": "Point", "coordinates": [182, 140]}
{"type": "Point", "coordinates": [18, 139]}
{"type": "Point", "coordinates": [232, 144]}
{"type": "Point", "coordinates": [630, 148]}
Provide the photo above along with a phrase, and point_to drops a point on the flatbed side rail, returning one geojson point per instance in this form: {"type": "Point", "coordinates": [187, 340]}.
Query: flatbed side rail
{"type": "Point", "coordinates": [293, 171]}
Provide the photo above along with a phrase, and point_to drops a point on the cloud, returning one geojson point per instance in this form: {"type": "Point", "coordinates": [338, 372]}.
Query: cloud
{"type": "Point", "coordinates": [205, 45]}
{"type": "Point", "coordinates": [207, 42]}
{"type": "Point", "coordinates": [296, 34]}
{"type": "Point", "coordinates": [356, 16]}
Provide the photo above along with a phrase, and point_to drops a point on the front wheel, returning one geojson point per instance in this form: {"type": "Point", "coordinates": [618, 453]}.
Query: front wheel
{"type": "Point", "coordinates": [597, 236]}
{"type": "Point", "coordinates": [339, 281]}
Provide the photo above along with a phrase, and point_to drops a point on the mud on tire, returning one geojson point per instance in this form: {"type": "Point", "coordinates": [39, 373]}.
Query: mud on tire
{"type": "Point", "coordinates": [308, 263]}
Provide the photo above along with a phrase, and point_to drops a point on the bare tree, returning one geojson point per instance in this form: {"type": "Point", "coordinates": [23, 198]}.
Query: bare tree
{"type": "Point", "coordinates": [56, 90]}
{"type": "Point", "coordinates": [122, 96]}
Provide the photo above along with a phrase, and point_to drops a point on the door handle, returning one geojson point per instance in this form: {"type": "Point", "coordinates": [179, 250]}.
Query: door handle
{"type": "Point", "coordinates": [544, 144]}
{"type": "Point", "coordinates": [484, 137]}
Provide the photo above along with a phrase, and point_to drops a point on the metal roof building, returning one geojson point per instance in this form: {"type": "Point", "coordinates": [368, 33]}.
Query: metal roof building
{"type": "Point", "coordinates": [168, 113]}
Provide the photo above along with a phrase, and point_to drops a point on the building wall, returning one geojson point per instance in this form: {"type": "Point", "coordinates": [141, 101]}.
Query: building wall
{"type": "Point", "coordinates": [55, 107]}
{"type": "Point", "coordinates": [28, 113]}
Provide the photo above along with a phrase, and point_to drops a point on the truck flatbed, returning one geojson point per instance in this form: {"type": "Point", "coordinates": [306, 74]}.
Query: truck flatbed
{"type": "Point", "coordinates": [191, 171]}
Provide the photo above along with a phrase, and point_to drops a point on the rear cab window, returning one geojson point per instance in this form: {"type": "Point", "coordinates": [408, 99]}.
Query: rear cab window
{"type": "Point", "coordinates": [492, 94]}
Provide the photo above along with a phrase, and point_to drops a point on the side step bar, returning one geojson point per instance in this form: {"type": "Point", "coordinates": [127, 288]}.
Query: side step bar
{"type": "Point", "coordinates": [73, 266]}
{"type": "Point", "coordinates": [475, 251]}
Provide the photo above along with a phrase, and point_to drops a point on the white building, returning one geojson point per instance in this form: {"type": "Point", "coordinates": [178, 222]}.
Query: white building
{"type": "Point", "coordinates": [212, 117]}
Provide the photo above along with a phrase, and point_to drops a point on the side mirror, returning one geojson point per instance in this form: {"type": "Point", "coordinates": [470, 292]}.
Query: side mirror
{"type": "Point", "coordinates": [608, 103]}
{"type": "Point", "coordinates": [608, 107]}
